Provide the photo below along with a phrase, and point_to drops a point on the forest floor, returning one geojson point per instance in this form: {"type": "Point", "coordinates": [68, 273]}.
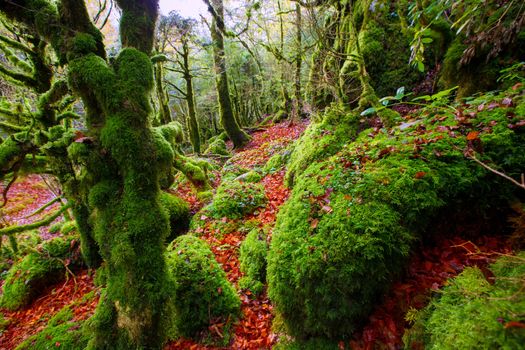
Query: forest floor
{"type": "Point", "coordinates": [430, 267]}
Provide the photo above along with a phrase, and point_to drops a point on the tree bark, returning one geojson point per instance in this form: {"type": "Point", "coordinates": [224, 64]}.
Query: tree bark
{"type": "Point", "coordinates": [227, 118]}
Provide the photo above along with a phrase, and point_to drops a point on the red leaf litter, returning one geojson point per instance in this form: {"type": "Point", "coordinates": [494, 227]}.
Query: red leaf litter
{"type": "Point", "coordinates": [31, 320]}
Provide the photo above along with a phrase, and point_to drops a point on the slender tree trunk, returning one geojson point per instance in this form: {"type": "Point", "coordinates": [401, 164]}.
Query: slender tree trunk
{"type": "Point", "coordinates": [193, 124]}
{"type": "Point", "coordinates": [227, 118]}
{"type": "Point", "coordinates": [164, 108]}
{"type": "Point", "coordinates": [298, 103]}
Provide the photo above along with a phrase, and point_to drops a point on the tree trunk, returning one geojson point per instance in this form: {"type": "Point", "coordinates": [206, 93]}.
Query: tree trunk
{"type": "Point", "coordinates": [193, 124]}
{"type": "Point", "coordinates": [298, 102]}
{"type": "Point", "coordinates": [227, 118]}
{"type": "Point", "coordinates": [164, 108]}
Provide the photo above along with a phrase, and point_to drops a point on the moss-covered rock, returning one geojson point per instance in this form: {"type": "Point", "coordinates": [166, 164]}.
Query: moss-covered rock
{"type": "Point", "coordinates": [351, 218]}
{"type": "Point", "coordinates": [28, 277]}
{"type": "Point", "coordinates": [252, 256]}
{"type": "Point", "coordinates": [178, 212]}
{"type": "Point", "coordinates": [218, 146]}
{"type": "Point", "coordinates": [322, 140]}
{"type": "Point", "coordinates": [472, 312]}
{"type": "Point", "coordinates": [201, 292]}
{"type": "Point", "coordinates": [234, 199]}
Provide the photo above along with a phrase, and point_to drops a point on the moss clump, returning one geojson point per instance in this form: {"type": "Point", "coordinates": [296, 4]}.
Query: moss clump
{"type": "Point", "coordinates": [321, 140]}
{"type": "Point", "coordinates": [201, 292]}
{"type": "Point", "coordinates": [277, 161]}
{"type": "Point", "coordinates": [37, 270]}
{"type": "Point", "coordinates": [178, 212]}
{"type": "Point", "coordinates": [472, 312]}
{"type": "Point", "coordinates": [251, 176]}
{"type": "Point", "coordinates": [27, 278]}
{"type": "Point", "coordinates": [218, 146]}
{"type": "Point", "coordinates": [252, 257]}
{"type": "Point", "coordinates": [234, 199]}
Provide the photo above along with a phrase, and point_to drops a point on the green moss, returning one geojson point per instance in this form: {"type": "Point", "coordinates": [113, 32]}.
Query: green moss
{"type": "Point", "coordinates": [349, 224]}
{"type": "Point", "coordinates": [234, 199]}
{"type": "Point", "coordinates": [178, 212]}
{"type": "Point", "coordinates": [321, 140]}
{"type": "Point", "coordinates": [201, 292]}
{"type": "Point", "coordinates": [471, 312]}
{"type": "Point", "coordinates": [252, 257]}
{"type": "Point", "coordinates": [251, 176]}
{"type": "Point", "coordinates": [218, 146]}
{"type": "Point", "coordinates": [27, 278]}
{"type": "Point", "coordinates": [61, 332]}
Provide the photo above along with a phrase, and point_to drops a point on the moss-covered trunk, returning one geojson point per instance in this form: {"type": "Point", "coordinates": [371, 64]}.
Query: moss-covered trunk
{"type": "Point", "coordinates": [228, 121]}
{"type": "Point", "coordinates": [193, 124]}
{"type": "Point", "coordinates": [115, 180]}
{"type": "Point", "coordinates": [298, 101]}
{"type": "Point", "coordinates": [162, 96]}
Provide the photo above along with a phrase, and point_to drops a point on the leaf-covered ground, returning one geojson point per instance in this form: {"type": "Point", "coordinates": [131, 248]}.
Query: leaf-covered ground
{"type": "Point", "coordinates": [429, 269]}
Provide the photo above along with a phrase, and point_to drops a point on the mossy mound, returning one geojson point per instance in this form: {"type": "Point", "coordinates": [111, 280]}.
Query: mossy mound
{"type": "Point", "coordinates": [235, 199]}
{"type": "Point", "coordinates": [322, 140]}
{"type": "Point", "coordinates": [28, 277]}
{"type": "Point", "coordinates": [252, 256]}
{"type": "Point", "coordinates": [351, 218]}
{"type": "Point", "coordinates": [178, 212]}
{"type": "Point", "coordinates": [473, 312]}
{"type": "Point", "coordinates": [201, 292]}
{"type": "Point", "coordinates": [218, 146]}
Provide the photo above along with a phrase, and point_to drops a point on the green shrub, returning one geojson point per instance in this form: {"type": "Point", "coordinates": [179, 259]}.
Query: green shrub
{"type": "Point", "coordinates": [201, 292]}
{"type": "Point", "coordinates": [178, 212]}
{"type": "Point", "coordinates": [234, 199]}
{"type": "Point", "coordinates": [252, 257]}
{"type": "Point", "coordinates": [472, 313]}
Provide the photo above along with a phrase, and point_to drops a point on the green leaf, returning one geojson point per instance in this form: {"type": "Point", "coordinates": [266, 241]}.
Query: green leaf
{"type": "Point", "coordinates": [368, 111]}
{"type": "Point", "coordinates": [427, 40]}
{"type": "Point", "coordinates": [420, 66]}
{"type": "Point", "coordinates": [400, 93]}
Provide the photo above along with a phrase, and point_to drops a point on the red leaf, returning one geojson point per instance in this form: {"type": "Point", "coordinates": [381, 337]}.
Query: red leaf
{"type": "Point", "coordinates": [420, 174]}
{"type": "Point", "coordinates": [514, 324]}
{"type": "Point", "coordinates": [473, 135]}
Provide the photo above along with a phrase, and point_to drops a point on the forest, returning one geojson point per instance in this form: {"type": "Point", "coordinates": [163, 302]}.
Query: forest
{"type": "Point", "coordinates": [246, 174]}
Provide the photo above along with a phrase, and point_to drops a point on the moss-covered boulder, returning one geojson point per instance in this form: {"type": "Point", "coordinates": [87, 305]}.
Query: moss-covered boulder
{"type": "Point", "coordinates": [28, 277]}
{"type": "Point", "coordinates": [201, 293]}
{"type": "Point", "coordinates": [178, 212]}
{"type": "Point", "coordinates": [252, 257]}
{"type": "Point", "coordinates": [473, 312]}
{"type": "Point", "coordinates": [351, 219]}
{"type": "Point", "coordinates": [218, 147]}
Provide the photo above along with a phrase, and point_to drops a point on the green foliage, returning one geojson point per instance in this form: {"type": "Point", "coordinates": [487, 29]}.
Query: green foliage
{"type": "Point", "coordinates": [201, 292]}
{"type": "Point", "coordinates": [252, 257]}
{"type": "Point", "coordinates": [472, 312]}
{"type": "Point", "coordinates": [178, 212]}
{"type": "Point", "coordinates": [351, 218]}
{"type": "Point", "coordinates": [310, 344]}
{"type": "Point", "coordinates": [234, 199]}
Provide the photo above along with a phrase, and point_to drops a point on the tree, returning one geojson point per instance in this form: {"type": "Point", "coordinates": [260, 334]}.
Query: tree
{"type": "Point", "coordinates": [228, 120]}
{"type": "Point", "coordinates": [111, 173]}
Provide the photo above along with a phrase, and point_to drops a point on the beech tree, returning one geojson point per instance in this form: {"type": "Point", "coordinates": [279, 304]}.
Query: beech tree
{"type": "Point", "coordinates": [110, 173]}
